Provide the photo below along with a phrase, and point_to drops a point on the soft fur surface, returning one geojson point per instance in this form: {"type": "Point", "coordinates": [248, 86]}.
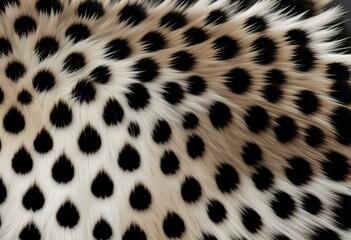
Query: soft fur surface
{"type": "Point", "coordinates": [147, 120]}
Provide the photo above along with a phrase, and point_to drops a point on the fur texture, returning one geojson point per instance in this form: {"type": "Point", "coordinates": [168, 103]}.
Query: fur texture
{"type": "Point", "coordinates": [148, 120]}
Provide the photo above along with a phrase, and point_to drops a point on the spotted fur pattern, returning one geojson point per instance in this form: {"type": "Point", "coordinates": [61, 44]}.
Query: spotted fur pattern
{"type": "Point", "coordinates": [140, 120]}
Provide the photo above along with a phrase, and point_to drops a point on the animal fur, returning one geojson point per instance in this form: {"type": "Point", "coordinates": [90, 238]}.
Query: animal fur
{"type": "Point", "coordinates": [236, 129]}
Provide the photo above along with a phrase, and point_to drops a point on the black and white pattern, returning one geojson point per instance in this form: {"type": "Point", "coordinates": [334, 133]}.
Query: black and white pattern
{"type": "Point", "coordinates": [196, 120]}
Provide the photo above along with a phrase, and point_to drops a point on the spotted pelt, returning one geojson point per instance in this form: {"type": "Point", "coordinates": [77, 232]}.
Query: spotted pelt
{"type": "Point", "coordinates": [134, 120]}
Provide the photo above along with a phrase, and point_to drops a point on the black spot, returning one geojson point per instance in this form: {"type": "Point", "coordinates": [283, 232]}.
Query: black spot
{"type": "Point", "coordinates": [190, 121]}
{"type": "Point", "coordinates": [207, 236]}
{"type": "Point", "coordinates": [102, 230]}
{"type": "Point", "coordinates": [304, 59]}
{"type": "Point", "coordinates": [24, 97]}
{"type": "Point", "coordinates": [299, 171]}
{"type": "Point", "coordinates": [90, 9]}
{"type": "Point", "coordinates": [251, 219]}
{"type": "Point", "coordinates": [134, 129]}
{"type": "Point", "coordinates": [33, 199]}
{"type": "Point", "coordinates": [102, 185]}
{"type": "Point", "coordinates": [62, 171]}
{"type": "Point", "coordinates": [44, 80]}
{"type": "Point", "coordinates": [5, 45]}
{"type": "Point", "coordinates": [216, 211]}
{"type": "Point", "coordinates": [263, 178]}
{"type": "Point", "coordinates": [162, 132]}
{"type": "Point", "coordinates": [15, 70]}
{"type": "Point", "coordinates": [43, 142]}
{"type": "Point", "coordinates": [195, 146]}
{"type": "Point", "coordinates": [118, 49]}
{"type": "Point", "coordinates": [153, 41]}
{"type": "Point", "coordinates": [1, 96]}
{"type": "Point", "coordinates": [89, 140]}
{"type": "Point", "coordinates": [336, 166]}
{"type": "Point", "coordinates": [341, 91]}
{"type": "Point", "coordinates": [74, 62]}
{"type": "Point", "coordinates": [30, 232]}
{"type": "Point", "coordinates": [25, 25]}
{"type": "Point", "coordinates": [67, 215]}
{"type": "Point", "coordinates": [78, 32]}
{"type": "Point", "coordinates": [285, 129]}
{"type": "Point", "coordinates": [297, 37]}
{"type": "Point", "coordinates": [194, 35]}
{"type": "Point", "coordinates": [182, 61]}
{"type": "Point", "coordinates": [280, 237]}
{"type": "Point", "coordinates": [129, 158]}
{"type": "Point", "coordinates": [238, 80]}
{"type": "Point", "coordinates": [272, 93]}
{"type": "Point", "coordinates": [283, 205]}
{"type": "Point", "coordinates": [275, 77]}
{"type": "Point", "coordinates": [113, 112]}
{"type": "Point", "coordinates": [311, 204]}
{"type": "Point", "coordinates": [196, 85]}
{"type": "Point", "coordinates": [49, 6]}
{"type": "Point", "coordinates": [341, 119]}
{"type": "Point", "coordinates": [7, 3]}
{"type": "Point", "coordinates": [216, 17]}
{"type": "Point", "coordinates": [14, 121]}
{"type": "Point", "coordinates": [146, 69]}
{"type": "Point", "coordinates": [140, 198]}
{"type": "Point", "coordinates": [190, 190]}
{"type": "Point", "coordinates": [61, 115]}
{"type": "Point", "coordinates": [84, 91]}
{"type": "Point", "coordinates": [338, 71]}
{"type": "Point", "coordinates": [314, 136]}
{"type": "Point", "coordinates": [3, 192]}
{"type": "Point", "coordinates": [46, 47]}
{"type": "Point", "coordinates": [255, 24]}
{"type": "Point", "coordinates": [133, 14]}
{"type": "Point", "coordinates": [169, 163]}
{"type": "Point", "coordinates": [173, 93]}
{"type": "Point", "coordinates": [101, 74]}
{"type": "Point", "coordinates": [294, 8]}
{"type": "Point", "coordinates": [22, 162]}
{"type": "Point", "coordinates": [226, 47]}
{"type": "Point", "coordinates": [173, 20]}
{"type": "Point", "coordinates": [173, 225]}
{"type": "Point", "coordinates": [342, 212]}
{"type": "Point", "coordinates": [227, 178]}
{"type": "Point", "coordinates": [251, 153]}
{"type": "Point", "coordinates": [138, 96]}
{"type": "Point", "coordinates": [266, 50]}
{"type": "Point", "coordinates": [220, 115]}
{"type": "Point", "coordinates": [324, 234]}
{"type": "Point", "coordinates": [257, 119]}
{"type": "Point", "coordinates": [134, 232]}
{"type": "Point", "coordinates": [307, 102]}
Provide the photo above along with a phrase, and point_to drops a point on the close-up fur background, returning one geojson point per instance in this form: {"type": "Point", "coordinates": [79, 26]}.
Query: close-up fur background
{"type": "Point", "coordinates": [175, 119]}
